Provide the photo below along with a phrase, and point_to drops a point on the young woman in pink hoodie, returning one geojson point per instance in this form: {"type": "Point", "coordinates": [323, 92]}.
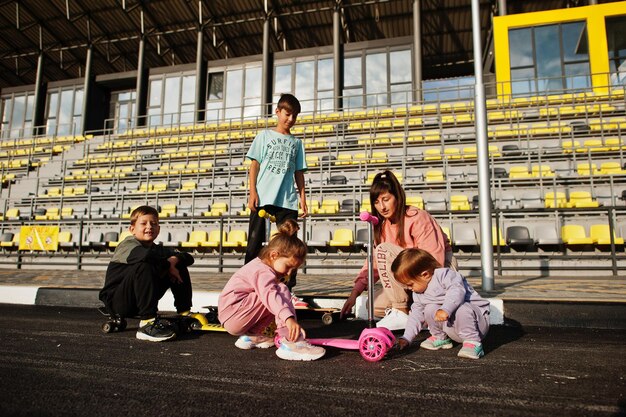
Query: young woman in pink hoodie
{"type": "Point", "coordinates": [255, 296]}
{"type": "Point", "coordinates": [399, 227]}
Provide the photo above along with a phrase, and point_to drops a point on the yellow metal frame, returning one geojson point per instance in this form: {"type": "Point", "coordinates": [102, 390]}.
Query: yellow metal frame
{"type": "Point", "coordinates": [595, 16]}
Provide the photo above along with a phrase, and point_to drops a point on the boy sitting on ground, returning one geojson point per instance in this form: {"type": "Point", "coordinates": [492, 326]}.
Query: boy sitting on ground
{"type": "Point", "coordinates": [139, 274]}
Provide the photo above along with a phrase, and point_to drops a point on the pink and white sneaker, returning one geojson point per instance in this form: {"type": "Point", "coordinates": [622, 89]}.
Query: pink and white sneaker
{"type": "Point", "coordinates": [298, 302]}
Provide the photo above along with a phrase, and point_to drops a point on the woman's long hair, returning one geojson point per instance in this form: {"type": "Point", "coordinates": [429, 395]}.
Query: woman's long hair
{"type": "Point", "coordinates": [386, 182]}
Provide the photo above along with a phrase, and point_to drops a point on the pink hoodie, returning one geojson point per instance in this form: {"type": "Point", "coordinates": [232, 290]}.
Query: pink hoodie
{"type": "Point", "coordinates": [421, 231]}
{"type": "Point", "coordinates": [257, 277]}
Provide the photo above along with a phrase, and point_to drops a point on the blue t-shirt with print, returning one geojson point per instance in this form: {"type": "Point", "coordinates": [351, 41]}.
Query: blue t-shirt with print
{"type": "Point", "coordinates": [279, 157]}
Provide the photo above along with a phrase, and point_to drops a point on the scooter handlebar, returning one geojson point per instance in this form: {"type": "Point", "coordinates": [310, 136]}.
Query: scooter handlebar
{"type": "Point", "coordinates": [366, 216]}
{"type": "Point", "coordinates": [265, 215]}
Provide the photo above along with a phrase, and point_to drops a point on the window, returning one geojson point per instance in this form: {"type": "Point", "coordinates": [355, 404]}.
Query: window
{"type": "Point", "coordinates": [311, 81]}
{"type": "Point", "coordinates": [549, 58]}
{"type": "Point", "coordinates": [172, 99]}
{"type": "Point", "coordinates": [64, 111]}
{"type": "Point", "coordinates": [17, 114]}
{"type": "Point", "coordinates": [215, 97]}
{"type": "Point", "coordinates": [353, 83]}
{"type": "Point", "coordinates": [122, 110]}
{"type": "Point", "coordinates": [616, 37]}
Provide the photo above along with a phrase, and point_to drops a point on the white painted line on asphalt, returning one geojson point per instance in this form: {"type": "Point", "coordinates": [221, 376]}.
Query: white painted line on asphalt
{"type": "Point", "coordinates": [15, 294]}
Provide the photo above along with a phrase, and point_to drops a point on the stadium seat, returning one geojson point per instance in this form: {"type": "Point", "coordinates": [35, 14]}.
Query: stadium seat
{"type": "Point", "coordinates": [611, 168]}
{"type": "Point", "coordinates": [574, 234]}
{"type": "Point", "coordinates": [531, 199]}
{"type": "Point", "coordinates": [496, 237]}
{"type": "Point", "coordinates": [581, 199]}
{"type": "Point", "coordinates": [320, 237]}
{"type": "Point", "coordinates": [117, 241]}
{"type": "Point", "coordinates": [329, 206]}
{"type": "Point", "coordinates": [337, 180]}
{"type": "Point", "coordinates": [436, 202]}
{"type": "Point", "coordinates": [366, 205]}
{"type": "Point", "coordinates": [6, 240]}
{"type": "Point", "coordinates": [66, 243]}
{"type": "Point", "coordinates": [196, 239]}
{"type": "Point", "coordinates": [217, 209]}
{"type": "Point", "coordinates": [214, 240]}
{"type": "Point", "coordinates": [434, 176]}
{"type": "Point", "coordinates": [465, 236]}
{"type": "Point", "coordinates": [94, 240]}
{"type": "Point", "coordinates": [342, 239]}
{"type": "Point", "coordinates": [459, 203]}
{"type": "Point", "coordinates": [433, 154]}
{"type": "Point", "coordinates": [587, 169]}
{"type": "Point", "coordinates": [518, 237]}
{"type": "Point", "coordinates": [415, 201]}
{"type": "Point", "coordinates": [519, 172]}
{"type": "Point", "coordinates": [601, 235]}
{"type": "Point", "coordinates": [361, 239]}
{"type": "Point", "coordinates": [313, 207]}
{"type": "Point", "coordinates": [168, 210]}
{"type": "Point", "coordinates": [542, 171]}
{"type": "Point", "coordinates": [555, 200]}
{"type": "Point", "coordinates": [236, 239]}
{"type": "Point", "coordinates": [547, 237]}
{"type": "Point", "coordinates": [349, 206]}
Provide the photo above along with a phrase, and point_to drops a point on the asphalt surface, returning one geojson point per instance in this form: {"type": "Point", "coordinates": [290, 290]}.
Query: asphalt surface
{"type": "Point", "coordinates": [55, 361]}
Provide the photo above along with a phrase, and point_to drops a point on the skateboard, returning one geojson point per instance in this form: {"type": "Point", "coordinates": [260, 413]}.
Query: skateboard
{"type": "Point", "coordinates": [182, 324]}
{"type": "Point", "coordinates": [328, 313]}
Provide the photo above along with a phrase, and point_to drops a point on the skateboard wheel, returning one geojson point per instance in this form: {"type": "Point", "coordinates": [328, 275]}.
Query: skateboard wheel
{"type": "Point", "coordinates": [107, 327]}
{"type": "Point", "coordinates": [121, 325]}
{"type": "Point", "coordinates": [327, 318]}
{"type": "Point", "coordinates": [211, 316]}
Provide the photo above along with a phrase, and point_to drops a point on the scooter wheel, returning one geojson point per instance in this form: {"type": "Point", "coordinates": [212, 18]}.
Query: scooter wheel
{"type": "Point", "coordinates": [372, 348]}
{"type": "Point", "coordinates": [327, 318]}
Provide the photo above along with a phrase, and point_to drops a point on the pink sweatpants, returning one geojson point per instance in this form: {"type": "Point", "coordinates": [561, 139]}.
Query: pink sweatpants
{"type": "Point", "coordinates": [251, 317]}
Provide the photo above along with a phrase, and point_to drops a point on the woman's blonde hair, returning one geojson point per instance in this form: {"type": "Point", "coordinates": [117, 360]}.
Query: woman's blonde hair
{"type": "Point", "coordinates": [286, 242]}
{"type": "Point", "coordinates": [410, 263]}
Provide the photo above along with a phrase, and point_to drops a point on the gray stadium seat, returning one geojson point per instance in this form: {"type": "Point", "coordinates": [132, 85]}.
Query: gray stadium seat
{"type": "Point", "coordinates": [518, 237]}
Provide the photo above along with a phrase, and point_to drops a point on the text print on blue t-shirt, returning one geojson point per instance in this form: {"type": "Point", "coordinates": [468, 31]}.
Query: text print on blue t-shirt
{"type": "Point", "coordinates": [281, 155]}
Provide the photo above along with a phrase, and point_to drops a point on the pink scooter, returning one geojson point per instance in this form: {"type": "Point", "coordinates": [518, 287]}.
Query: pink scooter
{"type": "Point", "coordinates": [374, 342]}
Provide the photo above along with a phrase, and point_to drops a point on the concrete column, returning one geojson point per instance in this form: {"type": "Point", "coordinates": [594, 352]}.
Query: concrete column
{"type": "Point", "coordinates": [201, 79]}
{"type": "Point", "coordinates": [417, 51]}
{"type": "Point", "coordinates": [86, 91]}
{"type": "Point", "coordinates": [40, 98]}
{"type": "Point", "coordinates": [337, 61]}
{"type": "Point", "coordinates": [484, 192]}
{"type": "Point", "coordinates": [266, 71]}
{"type": "Point", "coordinates": [142, 87]}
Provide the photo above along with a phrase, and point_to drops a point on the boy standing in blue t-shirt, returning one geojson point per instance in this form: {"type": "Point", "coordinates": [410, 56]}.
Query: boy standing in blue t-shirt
{"type": "Point", "coordinates": [277, 161]}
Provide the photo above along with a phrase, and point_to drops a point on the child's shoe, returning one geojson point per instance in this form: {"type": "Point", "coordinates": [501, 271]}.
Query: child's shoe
{"type": "Point", "coordinates": [394, 319]}
{"type": "Point", "coordinates": [432, 343]}
{"type": "Point", "coordinates": [471, 350]}
{"type": "Point", "coordinates": [250, 342]}
{"type": "Point", "coordinates": [301, 350]}
{"type": "Point", "coordinates": [298, 302]}
{"type": "Point", "coordinates": [156, 331]}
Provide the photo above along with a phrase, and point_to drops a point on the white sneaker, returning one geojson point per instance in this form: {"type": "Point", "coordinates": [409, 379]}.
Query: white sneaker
{"type": "Point", "coordinates": [394, 319]}
{"type": "Point", "coordinates": [300, 350]}
{"type": "Point", "coordinates": [250, 342]}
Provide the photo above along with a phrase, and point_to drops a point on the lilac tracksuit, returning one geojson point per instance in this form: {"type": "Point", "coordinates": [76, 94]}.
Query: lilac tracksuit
{"type": "Point", "coordinates": [449, 291]}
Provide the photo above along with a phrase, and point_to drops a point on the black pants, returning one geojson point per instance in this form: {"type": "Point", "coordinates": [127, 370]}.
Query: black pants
{"type": "Point", "coordinates": [256, 232]}
{"type": "Point", "coordinates": [140, 291]}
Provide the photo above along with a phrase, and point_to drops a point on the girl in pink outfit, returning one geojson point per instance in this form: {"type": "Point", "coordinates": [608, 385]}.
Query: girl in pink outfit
{"type": "Point", "coordinates": [399, 227]}
{"type": "Point", "coordinates": [255, 296]}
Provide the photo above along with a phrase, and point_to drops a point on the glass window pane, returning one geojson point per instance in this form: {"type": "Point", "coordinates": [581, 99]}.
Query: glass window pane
{"type": "Point", "coordinates": [305, 77]}
{"type": "Point", "coordinates": [19, 110]}
{"type": "Point", "coordinates": [282, 79]}
{"type": "Point", "coordinates": [523, 81]}
{"type": "Point", "coordinates": [189, 89]}
{"type": "Point", "coordinates": [53, 104]}
{"type": "Point", "coordinates": [234, 91]}
{"type": "Point", "coordinates": [325, 73]}
{"type": "Point", "coordinates": [30, 103]}
{"type": "Point", "coordinates": [66, 113]}
{"type": "Point", "coordinates": [575, 45]}
{"type": "Point", "coordinates": [216, 86]}
{"type": "Point", "coordinates": [252, 107]}
{"type": "Point", "coordinates": [521, 47]}
{"type": "Point", "coordinates": [187, 113]}
{"type": "Point", "coordinates": [400, 66]}
{"type": "Point", "coordinates": [155, 92]}
{"type": "Point", "coordinates": [78, 102]}
{"type": "Point", "coordinates": [401, 94]}
{"type": "Point", "coordinates": [171, 106]}
{"type": "Point", "coordinates": [376, 79]}
{"type": "Point", "coordinates": [577, 76]}
{"type": "Point", "coordinates": [353, 98]}
{"type": "Point", "coordinates": [548, 58]}
{"type": "Point", "coordinates": [253, 82]}
{"type": "Point", "coordinates": [352, 72]}
{"type": "Point", "coordinates": [325, 101]}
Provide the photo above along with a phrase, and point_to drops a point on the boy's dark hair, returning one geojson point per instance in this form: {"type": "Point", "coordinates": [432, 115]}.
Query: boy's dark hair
{"type": "Point", "coordinates": [290, 103]}
{"type": "Point", "coordinates": [386, 182]}
{"type": "Point", "coordinates": [410, 263]}
{"type": "Point", "coordinates": [142, 211]}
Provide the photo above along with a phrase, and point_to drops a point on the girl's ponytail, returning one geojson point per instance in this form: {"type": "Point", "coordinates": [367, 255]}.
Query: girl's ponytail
{"type": "Point", "coordinates": [286, 242]}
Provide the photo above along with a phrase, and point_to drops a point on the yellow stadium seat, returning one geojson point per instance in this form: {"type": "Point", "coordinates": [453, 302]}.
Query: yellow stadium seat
{"type": "Point", "coordinates": [542, 171]}
{"type": "Point", "coordinates": [459, 202]}
{"type": "Point", "coordinates": [236, 239]}
{"type": "Point", "coordinates": [217, 209]}
{"type": "Point", "coordinates": [214, 239]}
{"type": "Point", "coordinates": [611, 168]}
{"type": "Point", "coordinates": [555, 200]}
{"type": "Point", "coordinates": [313, 207]}
{"type": "Point", "coordinates": [342, 238]}
{"type": "Point", "coordinates": [587, 169]}
{"type": "Point", "coordinates": [196, 239]}
{"type": "Point", "coordinates": [433, 154]}
{"type": "Point", "coordinates": [519, 172]}
{"type": "Point", "coordinates": [581, 199]}
{"type": "Point", "coordinates": [168, 210]}
{"type": "Point", "coordinates": [366, 205]}
{"type": "Point", "coordinates": [497, 240]}
{"type": "Point", "coordinates": [434, 176]}
{"type": "Point", "coordinates": [452, 153]}
{"type": "Point", "coordinates": [123, 236]}
{"type": "Point", "coordinates": [601, 235]}
{"type": "Point", "coordinates": [329, 206]}
{"type": "Point", "coordinates": [415, 201]}
{"type": "Point", "coordinates": [574, 234]}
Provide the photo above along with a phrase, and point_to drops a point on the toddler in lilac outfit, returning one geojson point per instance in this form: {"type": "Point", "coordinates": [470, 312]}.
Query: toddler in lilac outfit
{"type": "Point", "coordinates": [443, 299]}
